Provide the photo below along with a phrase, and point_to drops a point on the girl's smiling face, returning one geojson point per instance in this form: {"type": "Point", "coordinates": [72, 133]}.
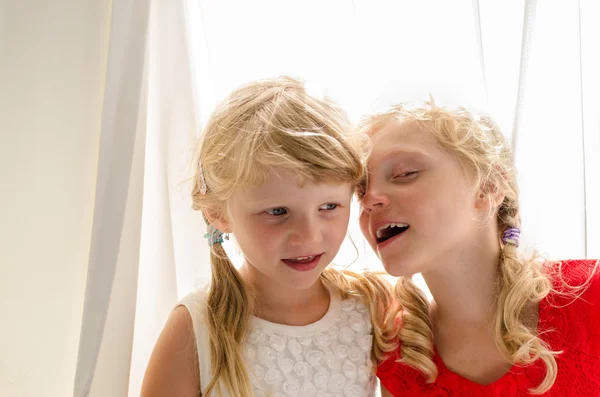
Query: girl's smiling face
{"type": "Point", "coordinates": [419, 206]}
{"type": "Point", "coordinates": [287, 232]}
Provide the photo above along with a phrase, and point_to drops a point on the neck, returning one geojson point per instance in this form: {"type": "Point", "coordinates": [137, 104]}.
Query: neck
{"type": "Point", "coordinates": [464, 288]}
{"type": "Point", "coordinates": [284, 305]}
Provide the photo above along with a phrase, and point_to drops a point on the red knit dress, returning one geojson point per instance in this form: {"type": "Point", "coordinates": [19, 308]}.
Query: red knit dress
{"type": "Point", "coordinates": [572, 326]}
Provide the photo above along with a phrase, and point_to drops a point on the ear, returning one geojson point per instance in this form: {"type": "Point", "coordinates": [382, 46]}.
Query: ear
{"type": "Point", "coordinates": [218, 220]}
{"type": "Point", "coordinates": [489, 197]}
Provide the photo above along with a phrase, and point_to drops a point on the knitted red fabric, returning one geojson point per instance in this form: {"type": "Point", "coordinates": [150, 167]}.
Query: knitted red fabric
{"type": "Point", "coordinates": [572, 326]}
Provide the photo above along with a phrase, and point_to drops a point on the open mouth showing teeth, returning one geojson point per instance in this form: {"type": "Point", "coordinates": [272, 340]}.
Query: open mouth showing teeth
{"type": "Point", "coordinates": [386, 232]}
{"type": "Point", "coordinates": [303, 263]}
{"type": "Point", "coordinates": [302, 259]}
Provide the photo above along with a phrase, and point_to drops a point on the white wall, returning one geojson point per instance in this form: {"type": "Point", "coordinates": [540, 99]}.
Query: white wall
{"type": "Point", "coordinates": [52, 64]}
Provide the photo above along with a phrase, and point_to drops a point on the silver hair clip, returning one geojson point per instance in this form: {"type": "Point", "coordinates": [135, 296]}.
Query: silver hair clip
{"type": "Point", "coordinates": [203, 188]}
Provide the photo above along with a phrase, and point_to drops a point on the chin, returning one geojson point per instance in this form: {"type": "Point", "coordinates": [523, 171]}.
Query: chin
{"type": "Point", "coordinates": [398, 267]}
{"type": "Point", "coordinates": [395, 271]}
{"type": "Point", "coordinates": [301, 284]}
{"type": "Point", "coordinates": [301, 280]}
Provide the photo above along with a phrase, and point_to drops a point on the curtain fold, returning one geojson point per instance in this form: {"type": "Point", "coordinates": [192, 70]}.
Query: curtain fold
{"type": "Point", "coordinates": [117, 212]}
{"type": "Point", "coordinates": [143, 257]}
{"type": "Point", "coordinates": [173, 252]}
{"type": "Point", "coordinates": [528, 28]}
{"type": "Point", "coordinates": [549, 135]}
{"type": "Point", "coordinates": [589, 61]}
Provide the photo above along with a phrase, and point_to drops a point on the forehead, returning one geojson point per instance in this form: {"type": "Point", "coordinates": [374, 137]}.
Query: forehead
{"type": "Point", "coordinates": [288, 186]}
{"type": "Point", "coordinates": [406, 139]}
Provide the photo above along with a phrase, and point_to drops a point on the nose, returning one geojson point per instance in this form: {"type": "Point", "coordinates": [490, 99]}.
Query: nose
{"type": "Point", "coordinates": [374, 199]}
{"type": "Point", "coordinates": [306, 230]}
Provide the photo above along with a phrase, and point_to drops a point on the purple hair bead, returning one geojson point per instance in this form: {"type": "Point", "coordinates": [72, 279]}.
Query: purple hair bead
{"type": "Point", "coordinates": [511, 236]}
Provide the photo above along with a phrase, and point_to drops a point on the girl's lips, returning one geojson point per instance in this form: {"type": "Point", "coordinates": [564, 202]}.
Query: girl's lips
{"type": "Point", "coordinates": [390, 240]}
{"type": "Point", "coordinates": [386, 223]}
{"type": "Point", "coordinates": [302, 266]}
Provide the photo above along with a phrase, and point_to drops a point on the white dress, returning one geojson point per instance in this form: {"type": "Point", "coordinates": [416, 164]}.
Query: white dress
{"type": "Point", "coordinates": [328, 358]}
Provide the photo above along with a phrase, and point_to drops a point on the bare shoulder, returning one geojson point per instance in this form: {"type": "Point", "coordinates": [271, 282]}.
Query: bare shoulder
{"type": "Point", "coordinates": [173, 368]}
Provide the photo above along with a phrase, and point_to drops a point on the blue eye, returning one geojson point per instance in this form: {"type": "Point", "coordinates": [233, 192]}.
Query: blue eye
{"type": "Point", "coordinates": [328, 207]}
{"type": "Point", "coordinates": [277, 211]}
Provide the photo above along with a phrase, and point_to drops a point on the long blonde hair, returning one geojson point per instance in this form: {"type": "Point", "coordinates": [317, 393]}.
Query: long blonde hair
{"type": "Point", "coordinates": [478, 144]}
{"type": "Point", "coordinates": [266, 125]}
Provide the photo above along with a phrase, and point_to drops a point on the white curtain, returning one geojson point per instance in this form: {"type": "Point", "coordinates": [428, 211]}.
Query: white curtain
{"type": "Point", "coordinates": [110, 296]}
{"type": "Point", "coordinates": [557, 132]}
{"type": "Point", "coordinates": [534, 66]}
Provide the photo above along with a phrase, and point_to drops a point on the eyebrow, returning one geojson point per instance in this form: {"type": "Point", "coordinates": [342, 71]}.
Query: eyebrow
{"type": "Point", "coordinates": [410, 152]}
{"type": "Point", "coordinates": [284, 198]}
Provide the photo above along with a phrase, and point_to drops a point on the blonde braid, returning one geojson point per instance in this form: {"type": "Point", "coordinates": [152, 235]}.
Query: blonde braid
{"type": "Point", "coordinates": [228, 312]}
{"type": "Point", "coordinates": [416, 333]}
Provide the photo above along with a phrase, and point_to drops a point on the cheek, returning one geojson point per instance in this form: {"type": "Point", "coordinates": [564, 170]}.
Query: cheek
{"type": "Point", "coordinates": [268, 235]}
{"type": "Point", "coordinates": [338, 227]}
{"type": "Point", "coordinates": [335, 229]}
{"type": "Point", "coordinates": [363, 221]}
{"type": "Point", "coordinates": [414, 200]}
{"type": "Point", "coordinates": [426, 206]}
{"type": "Point", "coordinates": [254, 235]}
{"type": "Point", "coordinates": [448, 209]}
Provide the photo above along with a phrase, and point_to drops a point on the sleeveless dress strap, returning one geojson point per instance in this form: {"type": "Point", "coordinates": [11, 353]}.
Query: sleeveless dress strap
{"type": "Point", "coordinates": [195, 304]}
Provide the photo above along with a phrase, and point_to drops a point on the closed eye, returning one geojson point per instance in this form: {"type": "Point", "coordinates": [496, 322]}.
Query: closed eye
{"type": "Point", "coordinates": [406, 175]}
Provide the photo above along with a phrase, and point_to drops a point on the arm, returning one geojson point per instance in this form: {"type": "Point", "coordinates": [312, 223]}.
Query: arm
{"type": "Point", "coordinates": [173, 369]}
